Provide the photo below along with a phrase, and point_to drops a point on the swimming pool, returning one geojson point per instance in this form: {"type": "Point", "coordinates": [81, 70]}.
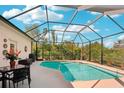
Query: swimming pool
{"type": "Point", "coordinates": [77, 71]}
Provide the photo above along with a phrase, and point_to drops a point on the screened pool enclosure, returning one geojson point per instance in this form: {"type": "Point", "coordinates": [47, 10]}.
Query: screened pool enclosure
{"type": "Point", "coordinates": [72, 32]}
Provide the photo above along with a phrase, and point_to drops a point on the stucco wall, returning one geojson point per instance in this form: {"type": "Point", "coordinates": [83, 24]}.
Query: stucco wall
{"type": "Point", "coordinates": [13, 36]}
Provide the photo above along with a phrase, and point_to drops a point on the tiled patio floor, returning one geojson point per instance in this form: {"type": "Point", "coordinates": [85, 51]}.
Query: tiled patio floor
{"type": "Point", "coordinates": [48, 78]}
{"type": "Point", "coordinates": [45, 78]}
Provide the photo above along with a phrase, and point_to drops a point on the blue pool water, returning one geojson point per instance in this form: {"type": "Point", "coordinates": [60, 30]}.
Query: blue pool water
{"type": "Point", "coordinates": [77, 71]}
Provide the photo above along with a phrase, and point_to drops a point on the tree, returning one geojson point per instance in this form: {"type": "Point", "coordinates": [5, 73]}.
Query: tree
{"type": "Point", "coordinates": [95, 51]}
{"type": "Point", "coordinates": [53, 37]}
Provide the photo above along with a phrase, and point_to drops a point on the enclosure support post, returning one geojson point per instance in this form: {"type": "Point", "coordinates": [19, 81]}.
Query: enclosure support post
{"type": "Point", "coordinates": [81, 47]}
{"type": "Point", "coordinates": [63, 57]}
{"type": "Point", "coordinates": [36, 50]}
{"type": "Point", "coordinates": [31, 46]}
{"type": "Point", "coordinates": [48, 30]}
{"type": "Point", "coordinates": [101, 61]}
{"type": "Point", "coordinates": [89, 50]}
{"type": "Point", "coordinates": [81, 54]}
{"type": "Point", "coordinates": [73, 51]}
{"type": "Point", "coordinates": [60, 49]}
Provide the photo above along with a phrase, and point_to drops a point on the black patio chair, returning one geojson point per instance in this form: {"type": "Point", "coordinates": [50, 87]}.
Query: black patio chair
{"type": "Point", "coordinates": [0, 77]}
{"type": "Point", "coordinates": [32, 57]}
{"type": "Point", "coordinates": [26, 62]}
{"type": "Point", "coordinates": [19, 75]}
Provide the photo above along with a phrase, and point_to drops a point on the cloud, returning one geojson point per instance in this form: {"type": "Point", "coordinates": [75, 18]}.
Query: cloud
{"type": "Point", "coordinates": [34, 16]}
{"type": "Point", "coordinates": [109, 43]}
{"type": "Point", "coordinates": [75, 28]}
{"type": "Point", "coordinates": [86, 30]}
{"type": "Point", "coordinates": [95, 13]}
{"type": "Point", "coordinates": [60, 34]}
{"type": "Point", "coordinates": [58, 27]}
{"type": "Point", "coordinates": [57, 8]}
{"type": "Point", "coordinates": [11, 12]}
{"type": "Point", "coordinates": [115, 16]}
{"type": "Point", "coordinates": [70, 28]}
{"type": "Point", "coordinates": [67, 36]}
{"type": "Point", "coordinates": [94, 28]}
{"type": "Point", "coordinates": [89, 30]}
{"type": "Point", "coordinates": [121, 37]}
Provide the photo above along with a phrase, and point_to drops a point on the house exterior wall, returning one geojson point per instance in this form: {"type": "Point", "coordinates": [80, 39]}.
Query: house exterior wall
{"type": "Point", "coordinates": [15, 37]}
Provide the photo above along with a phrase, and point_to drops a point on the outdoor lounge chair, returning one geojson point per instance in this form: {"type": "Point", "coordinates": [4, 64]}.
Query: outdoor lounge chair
{"type": "Point", "coordinates": [19, 76]}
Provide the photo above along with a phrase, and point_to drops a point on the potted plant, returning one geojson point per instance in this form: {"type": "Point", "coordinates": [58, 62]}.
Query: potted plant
{"type": "Point", "coordinates": [12, 56]}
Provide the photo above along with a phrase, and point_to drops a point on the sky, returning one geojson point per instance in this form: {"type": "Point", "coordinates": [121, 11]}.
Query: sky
{"type": "Point", "coordinates": [103, 26]}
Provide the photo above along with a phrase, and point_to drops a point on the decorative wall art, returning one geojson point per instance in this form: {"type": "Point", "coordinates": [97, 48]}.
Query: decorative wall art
{"type": "Point", "coordinates": [25, 48]}
{"type": "Point", "coordinates": [5, 40]}
{"type": "Point", "coordinates": [5, 45]}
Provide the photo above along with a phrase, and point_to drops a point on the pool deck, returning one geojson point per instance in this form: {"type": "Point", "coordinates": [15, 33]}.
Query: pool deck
{"type": "Point", "coordinates": [43, 77]}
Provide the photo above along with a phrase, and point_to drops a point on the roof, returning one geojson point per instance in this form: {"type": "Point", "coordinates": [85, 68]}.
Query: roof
{"type": "Point", "coordinates": [15, 27]}
{"type": "Point", "coordinates": [72, 23]}
{"type": "Point", "coordinates": [106, 9]}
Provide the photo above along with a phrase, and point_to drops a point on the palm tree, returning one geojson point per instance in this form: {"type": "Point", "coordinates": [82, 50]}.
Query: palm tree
{"type": "Point", "coordinates": [53, 37]}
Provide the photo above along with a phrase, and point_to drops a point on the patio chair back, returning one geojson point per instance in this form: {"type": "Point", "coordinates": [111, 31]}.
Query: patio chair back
{"type": "Point", "coordinates": [20, 75]}
{"type": "Point", "coordinates": [27, 62]}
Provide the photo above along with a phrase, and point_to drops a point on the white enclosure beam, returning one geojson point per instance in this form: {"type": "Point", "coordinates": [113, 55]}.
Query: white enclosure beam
{"type": "Point", "coordinates": [114, 12]}
{"type": "Point", "coordinates": [83, 7]}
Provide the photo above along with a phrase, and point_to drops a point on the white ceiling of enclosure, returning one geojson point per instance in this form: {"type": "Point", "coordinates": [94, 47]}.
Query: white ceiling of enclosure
{"type": "Point", "coordinates": [106, 9]}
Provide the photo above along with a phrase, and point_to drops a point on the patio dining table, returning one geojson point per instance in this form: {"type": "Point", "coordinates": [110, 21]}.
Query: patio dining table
{"type": "Point", "coordinates": [6, 69]}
